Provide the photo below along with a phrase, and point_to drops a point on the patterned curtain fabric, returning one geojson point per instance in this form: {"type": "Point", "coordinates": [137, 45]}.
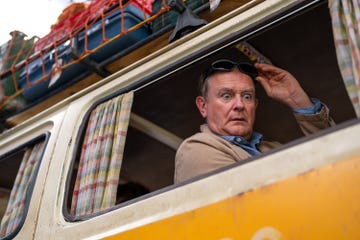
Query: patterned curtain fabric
{"type": "Point", "coordinates": [101, 156]}
{"type": "Point", "coordinates": [20, 191]}
{"type": "Point", "coordinates": [345, 15]}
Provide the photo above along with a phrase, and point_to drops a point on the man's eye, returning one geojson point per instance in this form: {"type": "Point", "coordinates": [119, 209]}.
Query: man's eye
{"type": "Point", "coordinates": [248, 97]}
{"type": "Point", "coordinates": [226, 96]}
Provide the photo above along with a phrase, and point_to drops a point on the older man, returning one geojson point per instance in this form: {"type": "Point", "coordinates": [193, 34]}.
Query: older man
{"type": "Point", "coordinates": [228, 103]}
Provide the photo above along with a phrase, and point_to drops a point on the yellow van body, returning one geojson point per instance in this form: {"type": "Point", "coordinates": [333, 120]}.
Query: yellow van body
{"type": "Point", "coordinates": [306, 191]}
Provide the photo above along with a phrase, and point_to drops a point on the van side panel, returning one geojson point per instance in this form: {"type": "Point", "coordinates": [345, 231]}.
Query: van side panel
{"type": "Point", "coordinates": [320, 204]}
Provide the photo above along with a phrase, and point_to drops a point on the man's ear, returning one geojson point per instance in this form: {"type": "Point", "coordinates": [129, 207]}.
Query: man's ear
{"type": "Point", "coordinates": [201, 105]}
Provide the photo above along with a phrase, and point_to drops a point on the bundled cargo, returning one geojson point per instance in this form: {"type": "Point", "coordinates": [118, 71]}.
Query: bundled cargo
{"type": "Point", "coordinates": [101, 29]}
{"type": "Point", "coordinates": [12, 55]}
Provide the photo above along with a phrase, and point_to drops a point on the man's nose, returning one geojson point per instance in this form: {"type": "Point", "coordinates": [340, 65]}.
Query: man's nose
{"type": "Point", "coordinates": [238, 103]}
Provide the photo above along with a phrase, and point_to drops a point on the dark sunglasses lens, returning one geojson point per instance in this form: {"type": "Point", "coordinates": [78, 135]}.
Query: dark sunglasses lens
{"type": "Point", "coordinates": [226, 65]}
{"type": "Point", "coordinates": [248, 69]}
{"type": "Point", "coordinates": [223, 65]}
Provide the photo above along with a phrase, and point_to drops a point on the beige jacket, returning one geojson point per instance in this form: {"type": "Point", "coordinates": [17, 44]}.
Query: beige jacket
{"type": "Point", "coordinates": [205, 151]}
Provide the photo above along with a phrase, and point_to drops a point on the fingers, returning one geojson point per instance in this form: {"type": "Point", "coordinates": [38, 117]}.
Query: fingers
{"type": "Point", "coordinates": [274, 80]}
{"type": "Point", "coordinates": [262, 78]}
{"type": "Point", "coordinates": [271, 73]}
{"type": "Point", "coordinates": [267, 70]}
{"type": "Point", "coordinates": [263, 67]}
{"type": "Point", "coordinates": [264, 83]}
{"type": "Point", "coordinates": [266, 73]}
{"type": "Point", "coordinates": [282, 86]}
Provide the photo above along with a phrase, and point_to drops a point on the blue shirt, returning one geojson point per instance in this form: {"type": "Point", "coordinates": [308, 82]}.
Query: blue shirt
{"type": "Point", "coordinates": [310, 110]}
{"type": "Point", "coordinates": [251, 146]}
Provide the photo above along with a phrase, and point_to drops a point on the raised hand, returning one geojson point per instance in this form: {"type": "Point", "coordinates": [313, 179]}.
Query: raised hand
{"type": "Point", "coordinates": [281, 86]}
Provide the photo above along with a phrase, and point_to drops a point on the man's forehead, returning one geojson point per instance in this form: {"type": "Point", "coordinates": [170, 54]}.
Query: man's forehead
{"type": "Point", "coordinates": [231, 78]}
{"type": "Point", "coordinates": [235, 90]}
{"type": "Point", "coordinates": [233, 73]}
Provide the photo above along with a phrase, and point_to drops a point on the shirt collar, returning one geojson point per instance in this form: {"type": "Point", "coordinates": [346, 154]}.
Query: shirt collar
{"type": "Point", "coordinates": [254, 141]}
{"type": "Point", "coordinates": [249, 146]}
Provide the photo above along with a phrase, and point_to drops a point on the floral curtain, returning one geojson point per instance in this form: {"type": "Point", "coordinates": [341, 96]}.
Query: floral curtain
{"type": "Point", "coordinates": [101, 156]}
{"type": "Point", "coordinates": [20, 191]}
{"type": "Point", "coordinates": [345, 15]}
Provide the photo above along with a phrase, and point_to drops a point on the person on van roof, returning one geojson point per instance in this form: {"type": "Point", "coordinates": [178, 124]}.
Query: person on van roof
{"type": "Point", "coordinates": [228, 103]}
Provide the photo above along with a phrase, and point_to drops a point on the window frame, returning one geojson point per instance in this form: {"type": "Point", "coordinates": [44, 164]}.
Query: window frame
{"type": "Point", "coordinates": [268, 22]}
{"type": "Point", "coordinates": [42, 137]}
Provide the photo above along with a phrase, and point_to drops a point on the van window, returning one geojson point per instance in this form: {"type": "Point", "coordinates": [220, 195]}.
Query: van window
{"type": "Point", "coordinates": [163, 111]}
{"type": "Point", "coordinates": [18, 174]}
{"type": "Point", "coordinates": [97, 169]}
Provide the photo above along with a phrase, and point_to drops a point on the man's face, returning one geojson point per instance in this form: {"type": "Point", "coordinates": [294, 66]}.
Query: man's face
{"type": "Point", "coordinates": [230, 105]}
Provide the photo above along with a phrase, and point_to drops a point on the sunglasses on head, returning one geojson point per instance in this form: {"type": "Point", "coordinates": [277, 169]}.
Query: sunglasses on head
{"type": "Point", "coordinates": [224, 65]}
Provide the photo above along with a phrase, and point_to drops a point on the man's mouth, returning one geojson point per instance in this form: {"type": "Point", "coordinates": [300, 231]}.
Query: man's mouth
{"type": "Point", "coordinates": [237, 120]}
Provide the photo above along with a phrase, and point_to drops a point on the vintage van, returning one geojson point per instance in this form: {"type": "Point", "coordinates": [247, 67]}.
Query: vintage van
{"type": "Point", "coordinates": [65, 170]}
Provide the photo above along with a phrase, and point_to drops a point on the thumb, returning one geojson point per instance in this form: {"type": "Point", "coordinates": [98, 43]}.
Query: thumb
{"type": "Point", "coordinates": [264, 83]}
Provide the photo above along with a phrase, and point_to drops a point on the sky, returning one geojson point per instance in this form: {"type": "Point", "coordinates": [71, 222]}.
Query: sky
{"type": "Point", "coordinates": [32, 17]}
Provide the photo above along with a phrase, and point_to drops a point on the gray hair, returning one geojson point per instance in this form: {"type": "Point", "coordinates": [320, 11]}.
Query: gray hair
{"type": "Point", "coordinates": [203, 85]}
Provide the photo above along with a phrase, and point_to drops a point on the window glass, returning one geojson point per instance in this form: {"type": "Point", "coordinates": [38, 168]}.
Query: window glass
{"type": "Point", "coordinates": [18, 173]}
{"type": "Point", "coordinates": [97, 170]}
